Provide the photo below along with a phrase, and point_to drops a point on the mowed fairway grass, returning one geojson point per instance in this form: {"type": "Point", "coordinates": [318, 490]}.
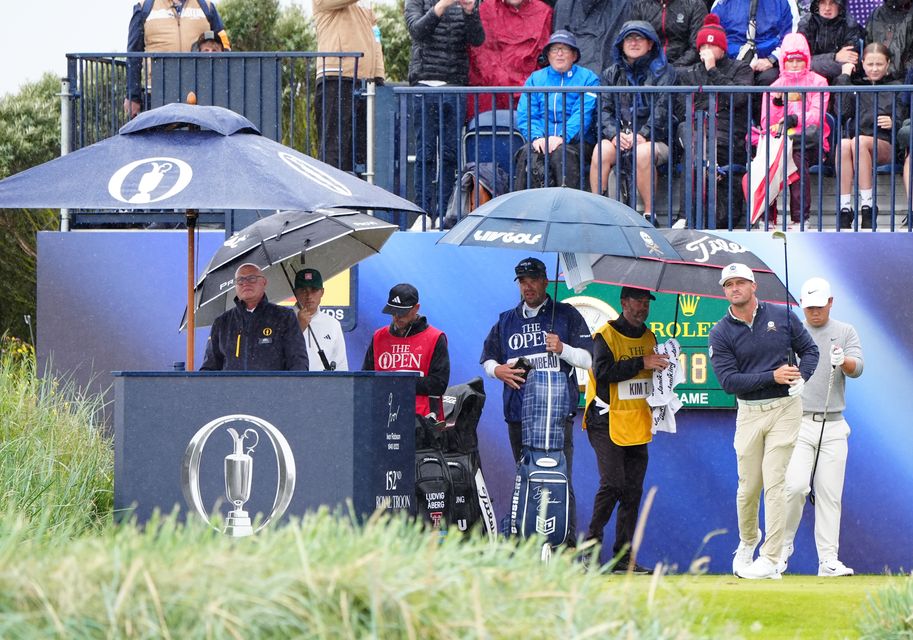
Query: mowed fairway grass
{"type": "Point", "coordinates": [794, 607]}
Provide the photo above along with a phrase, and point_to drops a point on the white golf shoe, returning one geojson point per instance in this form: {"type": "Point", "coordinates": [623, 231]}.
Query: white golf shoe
{"type": "Point", "coordinates": [744, 554]}
{"type": "Point", "coordinates": [833, 568]}
{"type": "Point", "coordinates": [760, 569]}
{"type": "Point", "coordinates": [784, 558]}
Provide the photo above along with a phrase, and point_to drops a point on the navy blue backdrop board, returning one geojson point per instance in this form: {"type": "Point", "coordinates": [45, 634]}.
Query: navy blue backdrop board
{"type": "Point", "coordinates": [112, 301]}
{"type": "Point", "coordinates": [352, 435]}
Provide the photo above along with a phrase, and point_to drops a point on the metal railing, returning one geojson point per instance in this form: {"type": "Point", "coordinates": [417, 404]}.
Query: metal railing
{"type": "Point", "coordinates": [700, 181]}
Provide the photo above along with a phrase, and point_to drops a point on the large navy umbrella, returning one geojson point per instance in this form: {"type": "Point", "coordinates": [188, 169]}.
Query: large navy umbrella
{"type": "Point", "coordinates": [563, 220]}
{"type": "Point", "coordinates": [703, 256]}
{"type": "Point", "coordinates": [183, 157]}
{"type": "Point", "coordinates": [327, 240]}
{"type": "Point", "coordinates": [560, 219]}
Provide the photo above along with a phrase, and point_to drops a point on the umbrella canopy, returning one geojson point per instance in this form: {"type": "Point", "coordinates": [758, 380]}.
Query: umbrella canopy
{"type": "Point", "coordinates": [327, 240]}
{"type": "Point", "coordinates": [181, 157]}
{"type": "Point", "coordinates": [560, 219]}
{"type": "Point", "coordinates": [698, 272]}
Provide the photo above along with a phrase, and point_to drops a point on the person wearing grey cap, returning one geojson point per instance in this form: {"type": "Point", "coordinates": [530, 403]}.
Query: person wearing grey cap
{"type": "Point", "coordinates": [752, 351]}
{"type": "Point", "coordinates": [557, 127]}
{"type": "Point", "coordinates": [549, 335]}
{"type": "Point", "coordinates": [208, 42]}
{"type": "Point", "coordinates": [822, 445]}
{"type": "Point", "coordinates": [409, 343]}
{"type": "Point", "coordinates": [322, 332]}
{"type": "Point", "coordinates": [618, 420]}
{"type": "Point", "coordinates": [158, 26]}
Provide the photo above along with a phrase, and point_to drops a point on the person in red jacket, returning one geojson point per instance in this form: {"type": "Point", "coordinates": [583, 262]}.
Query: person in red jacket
{"type": "Point", "coordinates": [516, 32]}
{"type": "Point", "coordinates": [409, 343]}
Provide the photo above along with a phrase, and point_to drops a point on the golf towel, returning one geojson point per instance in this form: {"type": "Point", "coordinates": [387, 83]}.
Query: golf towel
{"type": "Point", "coordinates": [545, 407]}
{"type": "Point", "coordinates": [663, 398]}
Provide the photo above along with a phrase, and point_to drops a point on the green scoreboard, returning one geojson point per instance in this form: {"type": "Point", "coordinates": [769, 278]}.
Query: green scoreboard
{"type": "Point", "coordinates": [599, 303]}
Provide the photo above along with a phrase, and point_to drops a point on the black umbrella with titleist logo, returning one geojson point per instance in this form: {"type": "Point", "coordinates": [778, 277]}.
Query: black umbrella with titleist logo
{"type": "Point", "coordinates": [703, 256]}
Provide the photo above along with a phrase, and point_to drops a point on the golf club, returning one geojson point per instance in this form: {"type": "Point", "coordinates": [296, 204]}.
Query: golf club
{"type": "Point", "coordinates": [827, 401]}
{"type": "Point", "coordinates": [780, 235]}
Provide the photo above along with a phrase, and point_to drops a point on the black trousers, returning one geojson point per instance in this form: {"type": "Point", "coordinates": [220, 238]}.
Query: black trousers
{"type": "Point", "coordinates": [515, 433]}
{"type": "Point", "coordinates": [621, 482]}
{"type": "Point", "coordinates": [333, 99]}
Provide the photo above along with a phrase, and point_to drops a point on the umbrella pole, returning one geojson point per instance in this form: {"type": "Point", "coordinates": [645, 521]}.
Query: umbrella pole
{"type": "Point", "coordinates": [551, 325]}
{"type": "Point", "coordinates": [191, 325]}
{"type": "Point", "coordinates": [675, 320]}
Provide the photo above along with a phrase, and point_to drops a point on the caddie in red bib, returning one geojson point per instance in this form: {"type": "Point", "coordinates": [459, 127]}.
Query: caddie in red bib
{"type": "Point", "coordinates": [409, 343]}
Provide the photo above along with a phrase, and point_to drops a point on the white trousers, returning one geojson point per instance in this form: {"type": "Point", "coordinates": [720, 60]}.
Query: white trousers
{"type": "Point", "coordinates": [828, 482]}
{"type": "Point", "coordinates": [764, 439]}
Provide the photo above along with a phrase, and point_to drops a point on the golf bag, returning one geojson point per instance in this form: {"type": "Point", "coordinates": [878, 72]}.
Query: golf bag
{"type": "Point", "coordinates": [433, 484]}
{"type": "Point", "coordinates": [541, 499]}
{"type": "Point", "coordinates": [463, 405]}
{"type": "Point", "coordinates": [449, 486]}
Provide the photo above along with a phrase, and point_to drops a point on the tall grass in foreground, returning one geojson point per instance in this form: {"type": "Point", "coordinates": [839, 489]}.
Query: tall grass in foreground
{"type": "Point", "coordinates": [320, 577]}
{"type": "Point", "coordinates": [890, 613]}
{"type": "Point", "coordinates": [56, 466]}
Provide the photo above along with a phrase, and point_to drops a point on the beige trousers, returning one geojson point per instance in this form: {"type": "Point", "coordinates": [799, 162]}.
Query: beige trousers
{"type": "Point", "coordinates": [765, 436]}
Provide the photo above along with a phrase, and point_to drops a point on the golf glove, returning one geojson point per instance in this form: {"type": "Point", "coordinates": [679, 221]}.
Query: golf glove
{"type": "Point", "coordinates": [795, 388]}
{"type": "Point", "coordinates": [837, 356]}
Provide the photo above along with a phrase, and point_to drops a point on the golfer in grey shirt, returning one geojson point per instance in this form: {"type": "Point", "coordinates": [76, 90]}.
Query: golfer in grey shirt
{"type": "Point", "coordinates": [822, 445]}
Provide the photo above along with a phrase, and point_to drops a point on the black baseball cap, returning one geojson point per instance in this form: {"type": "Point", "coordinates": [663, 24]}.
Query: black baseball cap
{"type": "Point", "coordinates": [308, 278]}
{"type": "Point", "coordinates": [634, 292]}
{"type": "Point", "coordinates": [530, 267]}
{"type": "Point", "coordinates": [402, 298]}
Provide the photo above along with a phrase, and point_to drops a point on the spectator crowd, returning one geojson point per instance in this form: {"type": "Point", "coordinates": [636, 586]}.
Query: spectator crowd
{"type": "Point", "coordinates": [575, 135]}
{"type": "Point", "coordinates": [561, 56]}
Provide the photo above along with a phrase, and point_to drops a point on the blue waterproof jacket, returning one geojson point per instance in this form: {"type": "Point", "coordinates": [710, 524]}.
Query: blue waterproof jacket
{"type": "Point", "coordinates": [643, 113]}
{"type": "Point", "coordinates": [774, 19]}
{"type": "Point", "coordinates": [558, 114]}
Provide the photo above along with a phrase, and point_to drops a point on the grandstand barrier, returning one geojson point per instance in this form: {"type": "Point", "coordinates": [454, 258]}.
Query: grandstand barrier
{"type": "Point", "coordinates": [699, 183]}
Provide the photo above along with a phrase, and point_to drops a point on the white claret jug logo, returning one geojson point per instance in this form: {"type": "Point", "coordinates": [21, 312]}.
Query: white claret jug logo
{"type": "Point", "coordinates": [150, 180]}
{"type": "Point", "coordinates": [239, 471]}
{"type": "Point", "coordinates": [313, 173]}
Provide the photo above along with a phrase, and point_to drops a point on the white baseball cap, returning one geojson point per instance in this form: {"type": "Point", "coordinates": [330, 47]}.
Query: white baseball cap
{"type": "Point", "coordinates": [736, 270]}
{"type": "Point", "coordinates": [816, 292]}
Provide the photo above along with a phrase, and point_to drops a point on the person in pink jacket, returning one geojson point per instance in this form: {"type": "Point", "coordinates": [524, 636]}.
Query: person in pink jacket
{"type": "Point", "coordinates": [802, 115]}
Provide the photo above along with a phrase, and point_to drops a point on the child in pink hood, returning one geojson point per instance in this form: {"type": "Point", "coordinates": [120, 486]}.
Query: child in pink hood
{"type": "Point", "coordinates": [802, 116]}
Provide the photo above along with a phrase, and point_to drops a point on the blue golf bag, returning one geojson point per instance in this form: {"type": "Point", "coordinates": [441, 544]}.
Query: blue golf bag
{"type": "Point", "coordinates": [541, 500]}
